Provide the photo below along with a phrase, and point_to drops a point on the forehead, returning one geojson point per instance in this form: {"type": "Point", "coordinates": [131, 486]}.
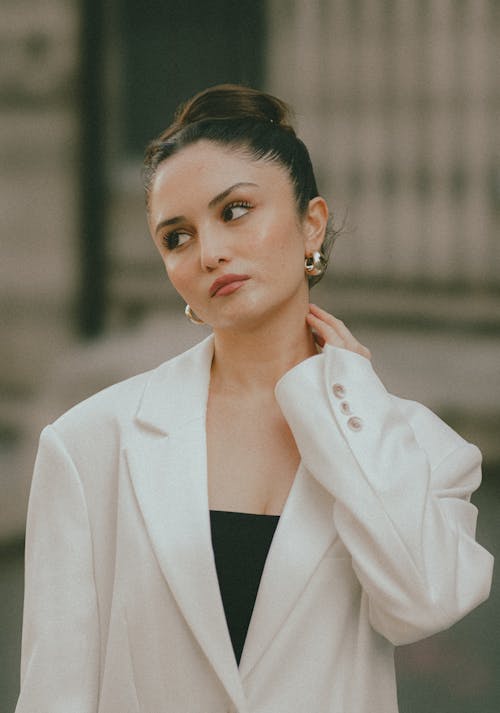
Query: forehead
{"type": "Point", "coordinates": [204, 169]}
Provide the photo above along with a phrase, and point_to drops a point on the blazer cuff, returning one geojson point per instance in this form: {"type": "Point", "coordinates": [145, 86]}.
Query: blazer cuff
{"type": "Point", "coordinates": [354, 393]}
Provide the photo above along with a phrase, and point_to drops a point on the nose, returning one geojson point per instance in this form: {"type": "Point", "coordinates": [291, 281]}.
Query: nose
{"type": "Point", "coordinates": [214, 249]}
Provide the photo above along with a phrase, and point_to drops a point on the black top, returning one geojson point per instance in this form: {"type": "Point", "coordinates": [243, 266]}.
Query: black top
{"type": "Point", "coordinates": [240, 542]}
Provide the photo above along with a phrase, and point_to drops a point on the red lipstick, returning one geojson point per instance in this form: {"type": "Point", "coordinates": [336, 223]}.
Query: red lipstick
{"type": "Point", "coordinates": [226, 284]}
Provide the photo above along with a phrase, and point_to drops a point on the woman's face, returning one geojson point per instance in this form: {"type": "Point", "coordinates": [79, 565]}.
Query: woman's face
{"type": "Point", "coordinates": [228, 231]}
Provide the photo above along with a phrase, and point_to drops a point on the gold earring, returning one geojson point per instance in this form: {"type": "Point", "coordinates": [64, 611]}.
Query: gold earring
{"type": "Point", "coordinates": [191, 316]}
{"type": "Point", "coordinates": [314, 264]}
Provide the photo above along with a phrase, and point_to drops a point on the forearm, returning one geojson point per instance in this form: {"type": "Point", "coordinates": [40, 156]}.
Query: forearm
{"type": "Point", "coordinates": [404, 516]}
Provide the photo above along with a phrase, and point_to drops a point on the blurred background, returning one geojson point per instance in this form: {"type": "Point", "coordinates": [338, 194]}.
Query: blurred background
{"type": "Point", "coordinates": [398, 102]}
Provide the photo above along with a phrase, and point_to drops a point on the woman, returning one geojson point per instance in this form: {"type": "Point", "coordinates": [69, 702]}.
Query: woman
{"type": "Point", "coordinates": [154, 503]}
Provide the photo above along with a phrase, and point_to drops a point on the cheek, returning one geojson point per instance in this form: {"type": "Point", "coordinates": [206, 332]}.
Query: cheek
{"type": "Point", "coordinates": [282, 239]}
{"type": "Point", "coordinates": [289, 250]}
{"type": "Point", "coordinates": [178, 274]}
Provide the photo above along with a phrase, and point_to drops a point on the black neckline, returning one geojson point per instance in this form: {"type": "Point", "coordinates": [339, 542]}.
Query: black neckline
{"type": "Point", "coordinates": [237, 513]}
{"type": "Point", "coordinates": [240, 542]}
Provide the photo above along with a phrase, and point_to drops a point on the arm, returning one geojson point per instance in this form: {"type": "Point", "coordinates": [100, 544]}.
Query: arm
{"type": "Point", "coordinates": [60, 644]}
{"type": "Point", "coordinates": [401, 502]}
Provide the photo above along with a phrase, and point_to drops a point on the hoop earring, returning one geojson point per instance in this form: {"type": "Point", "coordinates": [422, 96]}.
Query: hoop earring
{"type": "Point", "coordinates": [191, 316]}
{"type": "Point", "coordinates": [314, 264]}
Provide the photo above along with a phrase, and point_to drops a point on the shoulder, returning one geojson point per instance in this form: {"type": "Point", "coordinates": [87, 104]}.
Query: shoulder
{"type": "Point", "coordinates": [112, 408]}
{"type": "Point", "coordinates": [113, 402]}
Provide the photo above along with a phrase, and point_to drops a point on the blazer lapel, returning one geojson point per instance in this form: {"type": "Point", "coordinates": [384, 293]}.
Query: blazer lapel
{"type": "Point", "coordinates": [166, 456]}
{"type": "Point", "coordinates": [304, 533]}
{"type": "Point", "coordinates": [167, 464]}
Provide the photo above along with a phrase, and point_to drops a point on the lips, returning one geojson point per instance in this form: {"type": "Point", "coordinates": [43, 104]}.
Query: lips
{"type": "Point", "coordinates": [226, 284]}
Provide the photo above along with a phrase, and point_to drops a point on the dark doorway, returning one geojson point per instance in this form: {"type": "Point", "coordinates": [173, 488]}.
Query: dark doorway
{"type": "Point", "coordinates": [171, 50]}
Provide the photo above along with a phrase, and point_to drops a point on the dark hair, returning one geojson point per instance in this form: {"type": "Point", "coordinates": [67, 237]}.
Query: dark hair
{"type": "Point", "coordinates": [243, 118]}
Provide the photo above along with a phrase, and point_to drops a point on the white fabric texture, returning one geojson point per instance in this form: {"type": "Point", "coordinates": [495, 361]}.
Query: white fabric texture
{"type": "Point", "coordinates": [375, 548]}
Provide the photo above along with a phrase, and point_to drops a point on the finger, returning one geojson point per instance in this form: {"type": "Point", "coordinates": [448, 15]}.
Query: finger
{"type": "Point", "coordinates": [323, 314]}
{"type": "Point", "coordinates": [325, 331]}
{"type": "Point", "coordinates": [335, 336]}
{"type": "Point", "coordinates": [364, 351]}
{"type": "Point", "coordinates": [338, 324]}
{"type": "Point", "coordinates": [318, 339]}
{"type": "Point", "coordinates": [332, 322]}
{"type": "Point", "coordinates": [350, 341]}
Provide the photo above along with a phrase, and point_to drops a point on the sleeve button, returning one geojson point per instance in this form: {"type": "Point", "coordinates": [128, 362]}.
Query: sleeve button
{"type": "Point", "coordinates": [345, 408]}
{"type": "Point", "coordinates": [338, 391]}
{"type": "Point", "coordinates": [355, 423]}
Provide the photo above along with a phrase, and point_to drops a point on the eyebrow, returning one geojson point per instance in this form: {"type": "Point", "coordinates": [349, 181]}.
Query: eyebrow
{"type": "Point", "coordinates": [215, 201]}
{"type": "Point", "coordinates": [169, 221]}
{"type": "Point", "coordinates": [229, 190]}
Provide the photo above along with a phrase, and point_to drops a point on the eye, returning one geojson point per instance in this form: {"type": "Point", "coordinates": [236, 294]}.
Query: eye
{"type": "Point", "coordinates": [235, 210]}
{"type": "Point", "coordinates": [175, 239]}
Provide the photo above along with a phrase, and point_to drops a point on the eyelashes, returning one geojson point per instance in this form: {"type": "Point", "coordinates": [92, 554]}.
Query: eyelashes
{"type": "Point", "coordinates": [173, 239]}
{"type": "Point", "coordinates": [230, 213]}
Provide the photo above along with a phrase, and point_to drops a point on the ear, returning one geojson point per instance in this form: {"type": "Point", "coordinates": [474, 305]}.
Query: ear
{"type": "Point", "coordinates": [314, 224]}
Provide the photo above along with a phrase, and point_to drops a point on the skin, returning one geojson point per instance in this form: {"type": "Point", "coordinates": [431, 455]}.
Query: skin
{"type": "Point", "coordinates": [263, 328]}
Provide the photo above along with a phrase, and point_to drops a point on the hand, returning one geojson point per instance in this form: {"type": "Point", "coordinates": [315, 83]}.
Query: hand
{"type": "Point", "coordinates": [330, 330]}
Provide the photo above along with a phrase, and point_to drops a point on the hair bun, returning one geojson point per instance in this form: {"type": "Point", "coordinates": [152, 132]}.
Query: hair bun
{"type": "Point", "coordinates": [233, 101]}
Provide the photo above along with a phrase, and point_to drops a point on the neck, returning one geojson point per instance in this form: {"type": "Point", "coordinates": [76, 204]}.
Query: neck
{"type": "Point", "coordinates": [255, 359]}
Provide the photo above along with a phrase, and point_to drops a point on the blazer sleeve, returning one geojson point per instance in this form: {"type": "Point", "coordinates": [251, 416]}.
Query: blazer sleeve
{"type": "Point", "coordinates": [401, 480]}
{"type": "Point", "coordinates": [60, 641]}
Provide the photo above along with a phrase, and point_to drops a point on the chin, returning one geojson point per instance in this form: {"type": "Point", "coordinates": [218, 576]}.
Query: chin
{"type": "Point", "coordinates": [235, 323]}
{"type": "Point", "coordinates": [232, 316]}
{"type": "Point", "coordinates": [245, 318]}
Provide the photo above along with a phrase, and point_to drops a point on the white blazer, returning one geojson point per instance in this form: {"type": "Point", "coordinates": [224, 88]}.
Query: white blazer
{"type": "Point", "coordinates": [375, 547]}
